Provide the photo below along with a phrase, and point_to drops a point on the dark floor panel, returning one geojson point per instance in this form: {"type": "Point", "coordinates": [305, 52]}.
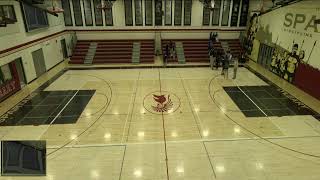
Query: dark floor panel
{"type": "Point", "coordinates": [72, 110]}
{"type": "Point", "coordinates": [54, 100]}
{"type": "Point", "coordinates": [259, 94]}
{"type": "Point", "coordinates": [66, 119]}
{"type": "Point", "coordinates": [272, 104]}
{"type": "Point", "coordinates": [231, 88]}
{"type": "Point", "coordinates": [252, 88]}
{"type": "Point", "coordinates": [36, 99]}
{"type": "Point", "coordinates": [279, 112]}
{"type": "Point", "coordinates": [46, 105]}
{"type": "Point", "coordinates": [253, 113]}
{"type": "Point", "coordinates": [268, 100]}
{"type": "Point", "coordinates": [40, 111]}
{"type": "Point", "coordinates": [241, 100]}
{"type": "Point", "coordinates": [80, 100]}
{"type": "Point", "coordinates": [86, 93]}
{"type": "Point", "coordinates": [276, 93]}
{"type": "Point", "coordinates": [59, 93]}
{"type": "Point", "coordinates": [36, 121]}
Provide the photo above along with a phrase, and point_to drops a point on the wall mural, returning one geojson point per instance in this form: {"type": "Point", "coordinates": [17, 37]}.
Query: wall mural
{"type": "Point", "coordinates": [286, 42]}
{"type": "Point", "coordinates": [285, 63]}
{"type": "Point", "coordinates": [251, 33]}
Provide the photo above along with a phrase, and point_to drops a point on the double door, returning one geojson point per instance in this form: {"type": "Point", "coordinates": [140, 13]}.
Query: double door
{"type": "Point", "coordinates": [38, 61]}
{"type": "Point", "coordinates": [265, 55]}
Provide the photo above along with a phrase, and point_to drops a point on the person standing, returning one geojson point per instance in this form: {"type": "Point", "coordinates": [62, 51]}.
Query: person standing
{"type": "Point", "coordinates": [226, 62]}
{"type": "Point", "coordinates": [223, 59]}
{"type": "Point", "coordinates": [212, 58]}
{"type": "Point", "coordinates": [166, 56]}
{"type": "Point", "coordinates": [235, 67]}
{"type": "Point", "coordinates": [218, 58]}
{"type": "Point", "coordinates": [172, 51]}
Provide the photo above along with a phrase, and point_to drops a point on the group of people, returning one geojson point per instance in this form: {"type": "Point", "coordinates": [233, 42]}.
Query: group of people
{"type": "Point", "coordinates": [284, 63]}
{"type": "Point", "coordinates": [220, 57]}
{"type": "Point", "coordinates": [170, 52]}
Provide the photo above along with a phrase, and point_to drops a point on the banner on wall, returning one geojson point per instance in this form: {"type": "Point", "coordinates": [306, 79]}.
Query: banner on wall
{"type": "Point", "coordinates": [294, 34]}
{"type": "Point", "coordinates": [251, 32]}
{"type": "Point", "coordinates": [285, 63]}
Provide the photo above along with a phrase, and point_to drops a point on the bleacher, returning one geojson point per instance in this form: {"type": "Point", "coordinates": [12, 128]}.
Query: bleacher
{"type": "Point", "coordinates": [196, 50]}
{"type": "Point", "coordinates": [113, 51]}
{"type": "Point", "coordinates": [120, 51]}
{"type": "Point", "coordinates": [79, 52]}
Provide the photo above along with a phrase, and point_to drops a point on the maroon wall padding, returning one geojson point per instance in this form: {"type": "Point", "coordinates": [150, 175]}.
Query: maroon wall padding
{"type": "Point", "coordinates": [307, 78]}
{"type": "Point", "coordinates": [11, 86]}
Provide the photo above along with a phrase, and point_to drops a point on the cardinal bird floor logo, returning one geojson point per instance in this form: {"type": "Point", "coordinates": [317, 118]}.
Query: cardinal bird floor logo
{"type": "Point", "coordinates": [161, 102]}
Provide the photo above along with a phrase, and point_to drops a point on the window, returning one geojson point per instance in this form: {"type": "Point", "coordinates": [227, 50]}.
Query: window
{"type": "Point", "coordinates": [77, 12]}
{"type": "Point", "coordinates": [187, 12]}
{"type": "Point", "coordinates": [149, 13]}
{"type": "Point", "coordinates": [216, 13]}
{"type": "Point", "coordinates": [158, 12]}
{"type": "Point", "coordinates": [244, 12]}
{"type": "Point", "coordinates": [87, 12]}
{"type": "Point", "coordinates": [168, 12]}
{"type": "Point", "coordinates": [235, 12]}
{"type": "Point", "coordinates": [5, 73]}
{"type": "Point", "coordinates": [128, 12]}
{"type": "Point", "coordinates": [177, 12]}
{"type": "Point", "coordinates": [7, 11]}
{"type": "Point", "coordinates": [225, 12]}
{"type": "Point", "coordinates": [109, 17]}
{"type": "Point", "coordinates": [34, 18]}
{"type": "Point", "coordinates": [138, 12]}
{"type": "Point", "coordinates": [98, 13]}
{"type": "Point", "coordinates": [206, 16]}
{"type": "Point", "coordinates": [67, 13]}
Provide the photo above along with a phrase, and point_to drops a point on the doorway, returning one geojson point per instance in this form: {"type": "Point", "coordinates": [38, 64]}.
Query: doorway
{"type": "Point", "coordinates": [21, 73]}
{"type": "Point", "coordinates": [64, 48]}
{"type": "Point", "coordinates": [38, 60]}
{"type": "Point", "coordinates": [265, 55]}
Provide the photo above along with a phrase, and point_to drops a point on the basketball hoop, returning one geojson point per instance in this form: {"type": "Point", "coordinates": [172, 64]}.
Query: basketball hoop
{"type": "Point", "coordinates": [105, 5]}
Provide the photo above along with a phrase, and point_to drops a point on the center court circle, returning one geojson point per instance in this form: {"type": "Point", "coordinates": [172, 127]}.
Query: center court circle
{"type": "Point", "coordinates": [161, 102]}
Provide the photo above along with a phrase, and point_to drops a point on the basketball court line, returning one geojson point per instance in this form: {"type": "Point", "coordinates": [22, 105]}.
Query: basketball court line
{"type": "Point", "coordinates": [255, 134]}
{"type": "Point", "coordinates": [191, 104]}
{"type": "Point", "coordinates": [183, 141]}
{"type": "Point", "coordinates": [198, 122]}
{"type": "Point", "coordinates": [133, 100]}
{"type": "Point", "coordinates": [164, 131]}
{"type": "Point", "coordinates": [45, 130]}
{"type": "Point", "coordinates": [64, 107]}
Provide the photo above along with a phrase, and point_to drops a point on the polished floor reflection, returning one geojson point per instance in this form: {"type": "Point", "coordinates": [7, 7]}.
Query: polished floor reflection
{"type": "Point", "coordinates": [175, 123]}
